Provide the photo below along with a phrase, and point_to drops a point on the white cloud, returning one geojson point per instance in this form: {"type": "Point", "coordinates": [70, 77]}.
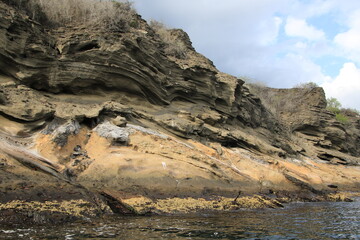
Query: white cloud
{"type": "Point", "coordinates": [269, 30]}
{"type": "Point", "coordinates": [349, 41]}
{"type": "Point", "coordinates": [300, 28]}
{"type": "Point", "coordinates": [346, 86]}
{"type": "Point", "coordinates": [301, 45]}
{"type": "Point", "coordinates": [282, 72]}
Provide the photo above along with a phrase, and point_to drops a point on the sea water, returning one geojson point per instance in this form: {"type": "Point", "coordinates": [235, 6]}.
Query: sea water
{"type": "Point", "coordinates": [296, 221]}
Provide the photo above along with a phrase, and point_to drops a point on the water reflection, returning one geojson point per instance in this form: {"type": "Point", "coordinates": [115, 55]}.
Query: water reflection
{"type": "Point", "coordinates": [296, 221]}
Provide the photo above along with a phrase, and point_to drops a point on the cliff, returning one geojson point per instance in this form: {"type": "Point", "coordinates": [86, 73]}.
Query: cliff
{"type": "Point", "coordinates": [107, 117]}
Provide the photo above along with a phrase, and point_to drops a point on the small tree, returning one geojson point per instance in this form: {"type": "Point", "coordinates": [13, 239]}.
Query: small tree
{"type": "Point", "coordinates": [333, 105]}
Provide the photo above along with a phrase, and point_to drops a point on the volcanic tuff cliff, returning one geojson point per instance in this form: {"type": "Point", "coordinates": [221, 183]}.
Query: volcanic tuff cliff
{"type": "Point", "coordinates": [95, 110]}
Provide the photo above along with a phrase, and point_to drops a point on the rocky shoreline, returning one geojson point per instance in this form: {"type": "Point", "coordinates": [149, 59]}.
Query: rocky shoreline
{"type": "Point", "coordinates": [21, 213]}
{"type": "Point", "coordinates": [96, 121]}
{"type": "Point", "coordinates": [81, 192]}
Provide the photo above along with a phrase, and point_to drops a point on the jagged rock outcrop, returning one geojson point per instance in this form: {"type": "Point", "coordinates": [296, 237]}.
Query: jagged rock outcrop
{"type": "Point", "coordinates": [303, 111]}
{"type": "Point", "coordinates": [115, 112]}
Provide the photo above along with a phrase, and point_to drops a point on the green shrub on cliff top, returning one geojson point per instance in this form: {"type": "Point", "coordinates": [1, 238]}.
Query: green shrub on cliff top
{"type": "Point", "coordinates": [333, 105]}
{"type": "Point", "coordinates": [108, 14]}
{"type": "Point", "coordinates": [341, 118]}
{"type": "Point", "coordinates": [341, 114]}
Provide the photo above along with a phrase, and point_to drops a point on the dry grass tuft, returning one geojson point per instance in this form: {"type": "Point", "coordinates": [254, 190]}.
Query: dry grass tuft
{"type": "Point", "coordinates": [174, 46]}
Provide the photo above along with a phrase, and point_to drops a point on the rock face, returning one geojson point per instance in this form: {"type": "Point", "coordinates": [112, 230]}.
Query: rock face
{"type": "Point", "coordinates": [123, 67]}
{"type": "Point", "coordinates": [112, 111]}
{"type": "Point", "coordinates": [303, 112]}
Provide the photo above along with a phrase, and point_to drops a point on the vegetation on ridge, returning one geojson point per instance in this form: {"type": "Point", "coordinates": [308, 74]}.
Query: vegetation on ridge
{"type": "Point", "coordinates": [341, 114]}
{"type": "Point", "coordinates": [307, 85]}
{"type": "Point", "coordinates": [111, 15]}
{"type": "Point", "coordinates": [174, 46]}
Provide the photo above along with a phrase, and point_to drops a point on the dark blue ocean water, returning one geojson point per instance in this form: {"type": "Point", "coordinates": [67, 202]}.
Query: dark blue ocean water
{"type": "Point", "coordinates": [295, 221]}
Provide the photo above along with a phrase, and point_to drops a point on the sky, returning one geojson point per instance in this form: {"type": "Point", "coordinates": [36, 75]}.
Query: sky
{"type": "Point", "coordinates": [281, 43]}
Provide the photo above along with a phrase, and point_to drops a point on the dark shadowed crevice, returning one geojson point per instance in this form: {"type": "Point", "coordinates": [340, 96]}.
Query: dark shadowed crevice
{"type": "Point", "coordinates": [88, 46]}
